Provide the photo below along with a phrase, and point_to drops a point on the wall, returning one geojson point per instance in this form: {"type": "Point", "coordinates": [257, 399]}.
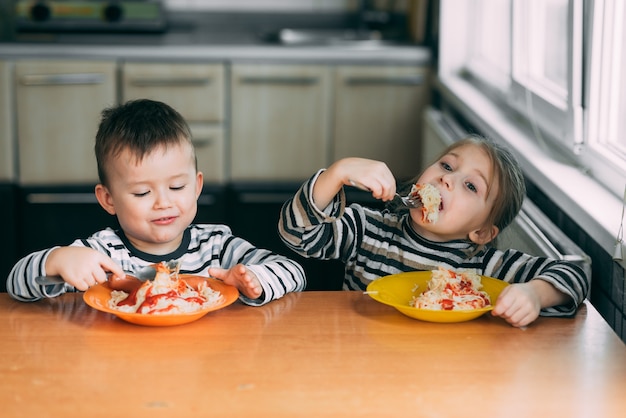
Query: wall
{"type": "Point", "coordinates": [607, 276]}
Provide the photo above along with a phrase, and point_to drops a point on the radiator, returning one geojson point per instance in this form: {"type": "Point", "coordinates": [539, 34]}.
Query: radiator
{"type": "Point", "coordinates": [531, 231]}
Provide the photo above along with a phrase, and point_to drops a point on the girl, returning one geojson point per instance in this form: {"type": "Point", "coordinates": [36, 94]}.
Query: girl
{"type": "Point", "coordinates": [482, 190]}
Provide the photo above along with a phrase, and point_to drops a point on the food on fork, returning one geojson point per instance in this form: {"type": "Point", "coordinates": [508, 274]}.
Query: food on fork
{"type": "Point", "coordinates": [430, 198]}
{"type": "Point", "coordinates": [452, 291]}
{"type": "Point", "coordinates": [166, 294]}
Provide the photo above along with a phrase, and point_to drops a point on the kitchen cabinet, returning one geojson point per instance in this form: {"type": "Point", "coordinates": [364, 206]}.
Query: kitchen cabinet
{"type": "Point", "coordinates": [377, 115]}
{"type": "Point", "coordinates": [253, 215]}
{"type": "Point", "coordinates": [7, 166]}
{"type": "Point", "coordinates": [7, 176]}
{"type": "Point", "coordinates": [58, 110]}
{"type": "Point", "coordinates": [58, 215]}
{"type": "Point", "coordinates": [280, 121]}
{"type": "Point", "coordinates": [196, 91]}
{"type": "Point", "coordinates": [290, 120]}
{"type": "Point", "coordinates": [254, 209]}
{"type": "Point", "coordinates": [8, 247]}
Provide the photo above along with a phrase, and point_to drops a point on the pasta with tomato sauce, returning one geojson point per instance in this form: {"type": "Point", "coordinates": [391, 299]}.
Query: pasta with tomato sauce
{"type": "Point", "coordinates": [430, 198]}
{"type": "Point", "coordinates": [166, 294]}
{"type": "Point", "coordinates": [449, 290]}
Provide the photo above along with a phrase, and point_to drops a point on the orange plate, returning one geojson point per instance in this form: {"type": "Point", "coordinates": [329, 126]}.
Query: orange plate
{"type": "Point", "coordinates": [98, 298]}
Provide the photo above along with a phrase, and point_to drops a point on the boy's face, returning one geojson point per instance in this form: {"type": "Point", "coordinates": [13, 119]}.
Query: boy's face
{"type": "Point", "coordinates": [154, 199]}
{"type": "Point", "coordinates": [464, 179]}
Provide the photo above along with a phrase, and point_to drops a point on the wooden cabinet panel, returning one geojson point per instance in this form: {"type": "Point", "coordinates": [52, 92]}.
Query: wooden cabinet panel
{"type": "Point", "coordinates": [58, 110]}
{"type": "Point", "coordinates": [194, 90]}
{"type": "Point", "coordinates": [279, 127]}
{"type": "Point", "coordinates": [378, 115]}
{"type": "Point", "coordinates": [210, 146]}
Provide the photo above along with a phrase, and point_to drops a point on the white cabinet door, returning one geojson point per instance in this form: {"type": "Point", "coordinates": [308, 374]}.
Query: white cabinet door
{"type": "Point", "coordinates": [59, 104]}
{"type": "Point", "coordinates": [378, 115]}
{"type": "Point", "coordinates": [196, 91]}
{"type": "Point", "coordinates": [7, 167]}
{"type": "Point", "coordinates": [279, 121]}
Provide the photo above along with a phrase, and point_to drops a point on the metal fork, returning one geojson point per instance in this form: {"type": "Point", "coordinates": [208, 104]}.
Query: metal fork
{"type": "Point", "coordinates": [407, 201]}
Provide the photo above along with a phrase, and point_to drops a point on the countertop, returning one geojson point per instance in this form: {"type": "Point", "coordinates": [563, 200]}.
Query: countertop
{"type": "Point", "coordinates": [309, 354]}
{"type": "Point", "coordinates": [211, 38]}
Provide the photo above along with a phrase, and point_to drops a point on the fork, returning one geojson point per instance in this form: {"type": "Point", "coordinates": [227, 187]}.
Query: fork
{"type": "Point", "coordinates": [407, 201]}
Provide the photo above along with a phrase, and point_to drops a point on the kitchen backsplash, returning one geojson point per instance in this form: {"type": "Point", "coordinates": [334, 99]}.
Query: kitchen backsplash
{"type": "Point", "coordinates": [247, 5]}
{"type": "Point", "coordinates": [280, 5]}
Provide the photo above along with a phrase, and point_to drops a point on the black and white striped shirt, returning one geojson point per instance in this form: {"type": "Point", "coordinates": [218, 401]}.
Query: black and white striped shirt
{"type": "Point", "coordinates": [203, 246]}
{"type": "Point", "coordinates": [373, 243]}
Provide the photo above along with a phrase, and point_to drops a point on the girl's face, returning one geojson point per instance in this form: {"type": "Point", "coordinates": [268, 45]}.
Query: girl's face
{"type": "Point", "coordinates": [467, 186]}
{"type": "Point", "coordinates": [155, 199]}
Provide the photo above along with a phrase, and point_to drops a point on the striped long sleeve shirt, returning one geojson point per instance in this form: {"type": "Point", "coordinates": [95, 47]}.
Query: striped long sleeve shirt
{"type": "Point", "coordinates": [373, 243]}
{"type": "Point", "coordinates": [203, 246]}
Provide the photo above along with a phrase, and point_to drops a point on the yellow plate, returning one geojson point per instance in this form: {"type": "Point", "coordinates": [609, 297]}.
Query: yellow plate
{"type": "Point", "coordinates": [397, 290]}
{"type": "Point", "coordinates": [98, 298]}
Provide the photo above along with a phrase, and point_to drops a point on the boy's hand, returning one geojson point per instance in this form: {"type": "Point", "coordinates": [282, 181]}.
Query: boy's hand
{"type": "Point", "coordinates": [81, 267]}
{"type": "Point", "coordinates": [518, 304]}
{"type": "Point", "coordinates": [240, 277]}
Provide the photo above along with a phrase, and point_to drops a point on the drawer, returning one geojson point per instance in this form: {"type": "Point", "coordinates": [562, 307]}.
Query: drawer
{"type": "Point", "coordinates": [210, 151]}
{"type": "Point", "coordinates": [196, 91]}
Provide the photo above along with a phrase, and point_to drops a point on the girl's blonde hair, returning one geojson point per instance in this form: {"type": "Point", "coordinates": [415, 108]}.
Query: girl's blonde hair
{"type": "Point", "coordinates": [506, 171]}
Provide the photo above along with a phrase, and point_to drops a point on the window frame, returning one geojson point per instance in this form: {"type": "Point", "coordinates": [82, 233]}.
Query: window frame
{"type": "Point", "coordinates": [571, 125]}
{"type": "Point", "coordinates": [587, 188]}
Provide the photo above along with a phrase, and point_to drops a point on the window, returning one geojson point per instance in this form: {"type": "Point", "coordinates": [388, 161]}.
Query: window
{"type": "Point", "coordinates": [556, 65]}
{"type": "Point", "coordinates": [606, 133]}
{"type": "Point", "coordinates": [490, 52]}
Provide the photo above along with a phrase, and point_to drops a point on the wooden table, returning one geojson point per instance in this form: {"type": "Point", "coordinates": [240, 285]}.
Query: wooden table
{"type": "Point", "coordinates": [310, 354]}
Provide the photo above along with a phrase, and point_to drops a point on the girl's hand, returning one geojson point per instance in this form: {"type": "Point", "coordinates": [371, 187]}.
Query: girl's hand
{"type": "Point", "coordinates": [240, 277]}
{"type": "Point", "coordinates": [81, 267]}
{"type": "Point", "coordinates": [371, 174]}
{"type": "Point", "coordinates": [518, 304]}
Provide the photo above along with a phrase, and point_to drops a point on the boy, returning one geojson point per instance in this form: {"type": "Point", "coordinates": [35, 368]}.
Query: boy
{"type": "Point", "coordinates": [149, 181]}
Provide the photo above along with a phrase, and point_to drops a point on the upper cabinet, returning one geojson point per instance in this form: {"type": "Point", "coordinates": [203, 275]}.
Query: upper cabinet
{"type": "Point", "coordinates": [288, 121]}
{"type": "Point", "coordinates": [196, 91]}
{"type": "Point", "coordinates": [378, 115]}
{"type": "Point", "coordinates": [262, 122]}
{"type": "Point", "coordinates": [280, 121]}
{"type": "Point", "coordinates": [58, 111]}
{"type": "Point", "coordinates": [7, 167]}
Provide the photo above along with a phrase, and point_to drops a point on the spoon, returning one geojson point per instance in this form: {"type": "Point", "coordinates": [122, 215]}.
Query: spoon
{"type": "Point", "coordinates": [407, 201]}
{"type": "Point", "coordinates": [143, 274]}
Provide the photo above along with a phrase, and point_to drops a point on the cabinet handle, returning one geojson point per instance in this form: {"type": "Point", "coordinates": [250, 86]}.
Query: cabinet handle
{"type": "Point", "coordinates": [291, 81]}
{"type": "Point", "coordinates": [393, 81]}
{"type": "Point", "coordinates": [62, 79]}
{"type": "Point", "coordinates": [265, 197]}
{"type": "Point", "coordinates": [52, 198]}
{"type": "Point", "coordinates": [174, 82]}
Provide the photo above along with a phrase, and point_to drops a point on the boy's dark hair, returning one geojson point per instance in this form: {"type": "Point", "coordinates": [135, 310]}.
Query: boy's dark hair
{"type": "Point", "coordinates": [139, 126]}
